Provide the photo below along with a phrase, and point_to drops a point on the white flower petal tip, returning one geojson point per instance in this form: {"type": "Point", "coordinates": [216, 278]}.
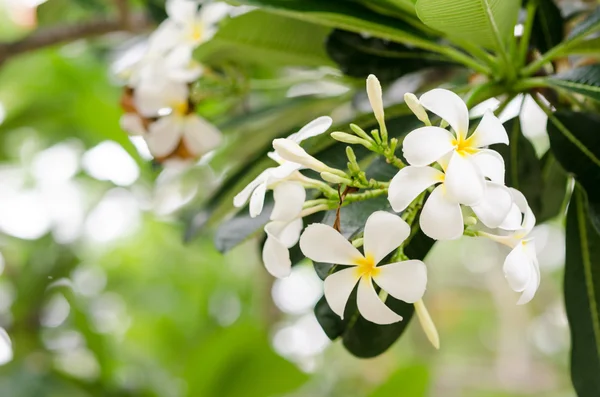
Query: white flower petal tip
{"type": "Point", "coordinates": [322, 243]}
{"type": "Point", "coordinates": [464, 183]}
{"type": "Point", "coordinates": [338, 287]}
{"type": "Point", "coordinates": [371, 306]}
{"type": "Point", "coordinates": [276, 258]}
{"type": "Point", "coordinates": [495, 207]}
{"type": "Point", "coordinates": [291, 151]}
{"type": "Point", "coordinates": [375, 95]}
{"type": "Point", "coordinates": [441, 218]}
{"type": "Point", "coordinates": [415, 106]}
{"type": "Point", "coordinates": [491, 164]}
{"type": "Point", "coordinates": [450, 107]}
{"type": "Point", "coordinates": [384, 232]}
{"type": "Point", "coordinates": [489, 131]}
{"type": "Point", "coordinates": [427, 324]}
{"type": "Point", "coordinates": [405, 280]}
{"type": "Point", "coordinates": [408, 183]}
{"type": "Point", "coordinates": [426, 145]}
{"type": "Point", "coordinates": [315, 128]}
{"type": "Point", "coordinates": [521, 270]}
{"type": "Point", "coordinates": [289, 199]}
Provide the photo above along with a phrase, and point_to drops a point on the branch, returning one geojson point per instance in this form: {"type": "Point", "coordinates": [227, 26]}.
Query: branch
{"type": "Point", "coordinates": [45, 37]}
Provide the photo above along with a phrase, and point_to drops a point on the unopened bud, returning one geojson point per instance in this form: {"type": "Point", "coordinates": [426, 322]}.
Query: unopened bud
{"type": "Point", "coordinates": [332, 178]}
{"type": "Point", "coordinates": [427, 324]}
{"type": "Point", "coordinates": [375, 97]}
{"type": "Point", "coordinates": [470, 221]}
{"type": "Point", "coordinates": [416, 107]}
{"type": "Point", "coordinates": [350, 154]}
{"type": "Point", "coordinates": [360, 132]}
{"type": "Point", "coordinates": [351, 139]}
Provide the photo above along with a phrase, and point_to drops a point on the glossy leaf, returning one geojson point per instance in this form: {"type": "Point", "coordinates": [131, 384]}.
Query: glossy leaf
{"type": "Point", "coordinates": [589, 47]}
{"type": "Point", "coordinates": [523, 168]}
{"type": "Point", "coordinates": [554, 188]}
{"type": "Point", "coordinates": [359, 56]}
{"type": "Point", "coordinates": [483, 22]}
{"type": "Point", "coordinates": [265, 38]}
{"type": "Point", "coordinates": [582, 295]}
{"type": "Point", "coordinates": [575, 142]}
{"type": "Point", "coordinates": [584, 80]}
{"type": "Point", "coordinates": [548, 25]}
{"type": "Point", "coordinates": [588, 25]}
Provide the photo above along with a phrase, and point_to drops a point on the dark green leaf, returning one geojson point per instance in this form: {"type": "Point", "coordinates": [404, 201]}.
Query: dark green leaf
{"type": "Point", "coordinates": [575, 142]}
{"type": "Point", "coordinates": [523, 168]}
{"type": "Point", "coordinates": [548, 25]}
{"type": "Point", "coordinates": [554, 188]}
{"type": "Point", "coordinates": [582, 295]}
{"type": "Point", "coordinates": [587, 26]}
{"type": "Point", "coordinates": [265, 38]}
{"type": "Point", "coordinates": [359, 56]}
{"type": "Point", "coordinates": [584, 80]}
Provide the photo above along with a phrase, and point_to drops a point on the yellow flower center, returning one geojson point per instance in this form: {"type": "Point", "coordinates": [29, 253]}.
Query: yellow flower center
{"type": "Point", "coordinates": [196, 33]}
{"type": "Point", "coordinates": [366, 266]}
{"type": "Point", "coordinates": [180, 109]}
{"type": "Point", "coordinates": [464, 146]}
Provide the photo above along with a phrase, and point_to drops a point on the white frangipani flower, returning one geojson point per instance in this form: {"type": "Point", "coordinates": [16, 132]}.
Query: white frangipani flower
{"type": "Point", "coordinates": [132, 124]}
{"type": "Point", "coordinates": [255, 191]}
{"type": "Point", "coordinates": [159, 97]}
{"type": "Point", "coordinates": [521, 266]}
{"type": "Point", "coordinates": [284, 229]}
{"type": "Point", "coordinates": [198, 135]}
{"type": "Point", "coordinates": [426, 145]}
{"type": "Point", "coordinates": [441, 217]}
{"type": "Point", "coordinates": [384, 232]}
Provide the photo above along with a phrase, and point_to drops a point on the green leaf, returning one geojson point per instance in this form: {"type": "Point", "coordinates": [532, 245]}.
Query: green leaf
{"type": "Point", "coordinates": [575, 142]}
{"type": "Point", "coordinates": [489, 23]}
{"type": "Point", "coordinates": [584, 80]}
{"type": "Point", "coordinates": [554, 188]}
{"type": "Point", "coordinates": [342, 15]}
{"type": "Point", "coordinates": [263, 38]}
{"type": "Point", "coordinates": [523, 168]}
{"type": "Point", "coordinates": [589, 47]}
{"type": "Point", "coordinates": [359, 336]}
{"type": "Point", "coordinates": [589, 25]}
{"type": "Point", "coordinates": [548, 25]}
{"type": "Point", "coordinates": [582, 295]}
{"type": "Point", "coordinates": [412, 380]}
{"type": "Point", "coordinates": [359, 56]}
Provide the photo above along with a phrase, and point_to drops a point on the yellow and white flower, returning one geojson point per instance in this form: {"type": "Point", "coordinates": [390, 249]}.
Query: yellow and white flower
{"type": "Point", "coordinates": [384, 232]}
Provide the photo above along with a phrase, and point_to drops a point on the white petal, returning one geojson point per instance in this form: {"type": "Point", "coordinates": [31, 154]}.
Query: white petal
{"type": "Point", "coordinates": [158, 93]}
{"type": "Point", "coordinates": [426, 145]}
{"type": "Point", "coordinates": [338, 287]}
{"type": "Point", "coordinates": [132, 124]}
{"type": "Point", "coordinates": [289, 199]}
{"type": "Point", "coordinates": [513, 219]}
{"type": "Point", "coordinates": [288, 233]}
{"type": "Point", "coordinates": [408, 183]}
{"type": "Point", "coordinates": [489, 131]}
{"type": "Point", "coordinates": [441, 219]}
{"type": "Point", "coordinates": [384, 232]}
{"type": "Point", "coordinates": [182, 11]}
{"type": "Point", "coordinates": [534, 282]}
{"type": "Point", "coordinates": [242, 197]}
{"type": "Point", "coordinates": [495, 206]}
{"type": "Point", "coordinates": [284, 170]}
{"type": "Point", "coordinates": [257, 200]}
{"type": "Point", "coordinates": [164, 135]}
{"type": "Point", "coordinates": [322, 243]}
{"type": "Point", "coordinates": [200, 136]}
{"type": "Point", "coordinates": [403, 280]}
{"type": "Point", "coordinates": [521, 202]}
{"type": "Point", "coordinates": [464, 183]}
{"type": "Point", "coordinates": [291, 151]}
{"type": "Point", "coordinates": [490, 164]}
{"type": "Point", "coordinates": [371, 307]}
{"type": "Point", "coordinates": [276, 258]}
{"type": "Point", "coordinates": [517, 268]}
{"type": "Point", "coordinates": [449, 107]}
{"type": "Point", "coordinates": [166, 36]}
{"type": "Point", "coordinates": [314, 128]}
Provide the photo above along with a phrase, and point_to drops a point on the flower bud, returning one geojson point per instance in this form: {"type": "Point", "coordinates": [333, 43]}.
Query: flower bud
{"type": "Point", "coordinates": [332, 178]}
{"type": "Point", "coordinates": [375, 97]}
{"type": "Point", "coordinates": [291, 151]}
{"type": "Point", "coordinates": [351, 139]}
{"type": "Point", "coordinates": [416, 107]}
{"type": "Point", "coordinates": [427, 324]}
{"type": "Point", "coordinates": [470, 221]}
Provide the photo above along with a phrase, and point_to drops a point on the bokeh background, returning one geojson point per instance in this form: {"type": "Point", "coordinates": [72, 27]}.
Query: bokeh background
{"type": "Point", "coordinates": [101, 296]}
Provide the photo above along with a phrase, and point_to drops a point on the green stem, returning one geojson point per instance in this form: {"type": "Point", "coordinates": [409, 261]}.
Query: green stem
{"type": "Point", "coordinates": [458, 56]}
{"type": "Point", "coordinates": [351, 198]}
{"type": "Point", "coordinates": [479, 53]}
{"type": "Point", "coordinates": [552, 53]}
{"type": "Point", "coordinates": [525, 37]}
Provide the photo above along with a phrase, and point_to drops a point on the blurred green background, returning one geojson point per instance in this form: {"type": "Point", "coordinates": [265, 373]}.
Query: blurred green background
{"type": "Point", "coordinates": [100, 296]}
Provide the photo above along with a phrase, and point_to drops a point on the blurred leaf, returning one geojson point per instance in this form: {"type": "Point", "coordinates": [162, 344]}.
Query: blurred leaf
{"type": "Point", "coordinates": [584, 80]}
{"type": "Point", "coordinates": [359, 56]}
{"type": "Point", "coordinates": [523, 168]}
{"type": "Point", "coordinates": [265, 38]}
{"type": "Point", "coordinates": [477, 21]}
{"type": "Point", "coordinates": [341, 15]}
{"type": "Point", "coordinates": [589, 25]}
{"type": "Point", "coordinates": [548, 25]}
{"type": "Point", "coordinates": [576, 144]}
{"type": "Point", "coordinates": [406, 6]}
{"type": "Point", "coordinates": [589, 47]}
{"type": "Point", "coordinates": [582, 295]}
{"type": "Point", "coordinates": [554, 189]}
{"type": "Point", "coordinates": [413, 381]}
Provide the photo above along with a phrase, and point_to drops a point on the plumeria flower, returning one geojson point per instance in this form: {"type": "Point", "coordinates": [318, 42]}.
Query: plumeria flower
{"type": "Point", "coordinates": [255, 191]}
{"type": "Point", "coordinates": [159, 97]}
{"type": "Point", "coordinates": [441, 217]}
{"type": "Point", "coordinates": [133, 124]}
{"type": "Point", "coordinates": [521, 266]}
{"type": "Point", "coordinates": [283, 231]}
{"type": "Point", "coordinates": [426, 145]}
{"type": "Point", "coordinates": [198, 135]}
{"type": "Point", "coordinates": [384, 232]}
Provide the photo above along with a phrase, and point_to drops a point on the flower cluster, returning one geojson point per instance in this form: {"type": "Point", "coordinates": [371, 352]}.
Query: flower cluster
{"type": "Point", "coordinates": [156, 100]}
{"type": "Point", "coordinates": [448, 178]}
